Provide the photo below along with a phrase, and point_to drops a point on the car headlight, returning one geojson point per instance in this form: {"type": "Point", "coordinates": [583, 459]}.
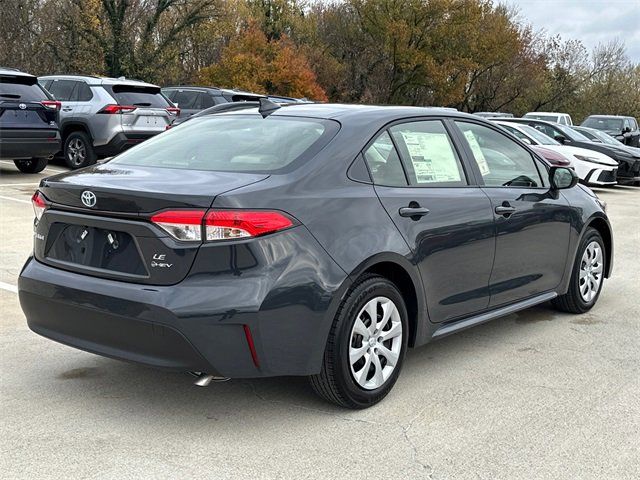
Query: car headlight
{"type": "Point", "coordinates": [584, 158]}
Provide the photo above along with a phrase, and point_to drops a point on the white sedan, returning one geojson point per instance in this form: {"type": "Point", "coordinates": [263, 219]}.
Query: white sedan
{"type": "Point", "coordinates": [588, 164]}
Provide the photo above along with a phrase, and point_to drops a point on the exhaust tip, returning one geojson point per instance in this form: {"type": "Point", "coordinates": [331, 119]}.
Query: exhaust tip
{"type": "Point", "coordinates": [204, 379]}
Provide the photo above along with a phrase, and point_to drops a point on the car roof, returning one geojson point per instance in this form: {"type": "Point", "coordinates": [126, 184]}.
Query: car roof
{"type": "Point", "coordinates": [208, 89]}
{"type": "Point", "coordinates": [91, 80]}
{"type": "Point", "coordinates": [14, 72]}
{"type": "Point", "coordinates": [370, 112]}
{"type": "Point", "coordinates": [609, 116]}
{"type": "Point", "coordinates": [546, 113]}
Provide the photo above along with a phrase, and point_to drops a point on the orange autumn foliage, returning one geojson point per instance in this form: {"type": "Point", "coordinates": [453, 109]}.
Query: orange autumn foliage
{"type": "Point", "coordinates": [254, 63]}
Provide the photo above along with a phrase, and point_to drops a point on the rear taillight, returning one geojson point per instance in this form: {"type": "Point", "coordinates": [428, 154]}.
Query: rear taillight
{"type": "Point", "coordinates": [115, 109]}
{"type": "Point", "coordinates": [230, 224]}
{"type": "Point", "coordinates": [39, 204]}
{"type": "Point", "coordinates": [185, 225]}
{"type": "Point", "coordinates": [188, 225]}
{"type": "Point", "coordinates": [51, 104]}
{"type": "Point", "coordinates": [173, 111]}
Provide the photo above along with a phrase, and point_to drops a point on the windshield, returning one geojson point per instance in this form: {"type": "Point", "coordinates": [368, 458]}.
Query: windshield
{"type": "Point", "coordinates": [538, 136]}
{"type": "Point", "coordinates": [607, 124]}
{"type": "Point", "coordinates": [233, 143]}
{"type": "Point", "coordinates": [605, 138]}
{"type": "Point", "coordinates": [571, 134]}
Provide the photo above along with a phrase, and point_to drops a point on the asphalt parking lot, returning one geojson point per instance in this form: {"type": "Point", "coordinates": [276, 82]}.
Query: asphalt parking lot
{"type": "Point", "coordinates": [534, 395]}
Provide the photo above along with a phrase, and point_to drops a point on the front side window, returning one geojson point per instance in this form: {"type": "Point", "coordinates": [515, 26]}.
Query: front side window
{"type": "Point", "coordinates": [384, 163]}
{"type": "Point", "coordinates": [233, 143]}
{"type": "Point", "coordinates": [428, 154]}
{"type": "Point", "coordinates": [501, 161]}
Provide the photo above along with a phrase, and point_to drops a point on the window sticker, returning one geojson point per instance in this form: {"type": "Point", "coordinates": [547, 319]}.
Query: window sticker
{"type": "Point", "coordinates": [477, 152]}
{"type": "Point", "coordinates": [432, 157]}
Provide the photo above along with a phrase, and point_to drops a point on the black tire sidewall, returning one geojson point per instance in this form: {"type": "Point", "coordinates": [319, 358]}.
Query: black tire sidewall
{"type": "Point", "coordinates": [33, 165]}
{"type": "Point", "coordinates": [367, 290]}
{"type": "Point", "coordinates": [590, 236]}
{"type": "Point", "coordinates": [90, 153]}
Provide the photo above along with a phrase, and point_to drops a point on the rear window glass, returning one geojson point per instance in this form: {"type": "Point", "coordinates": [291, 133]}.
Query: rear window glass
{"type": "Point", "coordinates": [139, 96]}
{"type": "Point", "coordinates": [16, 88]}
{"type": "Point", "coordinates": [234, 143]}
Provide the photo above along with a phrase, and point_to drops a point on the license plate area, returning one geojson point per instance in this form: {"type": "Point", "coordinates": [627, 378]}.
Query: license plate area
{"type": "Point", "coordinates": [95, 248]}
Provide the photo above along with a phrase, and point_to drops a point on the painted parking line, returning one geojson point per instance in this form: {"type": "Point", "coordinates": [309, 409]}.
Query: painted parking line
{"type": "Point", "coordinates": [15, 199]}
{"type": "Point", "coordinates": [8, 287]}
{"type": "Point", "coordinates": [32, 184]}
{"type": "Point", "coordinates": [51, 169]}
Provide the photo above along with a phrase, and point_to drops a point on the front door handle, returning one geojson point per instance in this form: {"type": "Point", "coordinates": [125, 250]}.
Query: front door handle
{"type": "Point", "coordinates": [505, 209]}
{"type": "Point", "coordinates": [412, 212]}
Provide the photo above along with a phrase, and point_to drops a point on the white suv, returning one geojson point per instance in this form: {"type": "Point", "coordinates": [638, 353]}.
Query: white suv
{"type": "Point", "coordinates": [104, 116]}
{"type": "Point", "coordinates": [555, 117]}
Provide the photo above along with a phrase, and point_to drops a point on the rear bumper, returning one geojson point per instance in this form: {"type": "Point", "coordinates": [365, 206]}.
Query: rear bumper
{"type": "Point", "coordinates": [23, 144]}
{"type": "Point", "coordinates": [198, 324]}
{"type": "Point", "coordinates": [123, 141]}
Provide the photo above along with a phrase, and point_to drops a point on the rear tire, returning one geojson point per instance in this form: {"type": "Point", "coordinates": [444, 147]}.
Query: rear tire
{"type": "Point", "coordinates": [362, 359]}
{"type": "Point", "coordinates": [32, 165]}
{"type": "Point", "coordinates": [587, 276]}
{"type": "Point", "coordinates": [78, 150]}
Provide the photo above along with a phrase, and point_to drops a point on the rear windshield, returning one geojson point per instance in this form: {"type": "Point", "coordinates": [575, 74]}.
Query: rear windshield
{"type": "Point", "coordinates": [234, 143]}
{"type": "Point", "coordinates": [139, 96]}
{"type": "Point", "coordinates": [613, 124]}
{"type": "Point", "coordinates": [25, 89]}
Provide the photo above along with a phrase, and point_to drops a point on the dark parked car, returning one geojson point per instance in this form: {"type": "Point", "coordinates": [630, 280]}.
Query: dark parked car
{"type": "Point", "coordinates": [320, 240]}
{"type": "Point", "coordinates": [192, 100]}
{"type": "Point", "coordinates": [628, 166]}
{"type": "Point", "coordinates": [624, 129]}
{"type": "Point", "coordinates": [223, 107]}
{"type": "Point", "coordinates": [629, 170]}
{"type": "Point", "coordinates": [28, 121]}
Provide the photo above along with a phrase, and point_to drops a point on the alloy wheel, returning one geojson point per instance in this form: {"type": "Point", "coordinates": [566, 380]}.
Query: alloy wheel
{"type": "Point", "coordinates": [375, 343]}
{"type": "Point", "coordinates": [591, 268]}
{"type": "Point", "coordinates": [76, 151]}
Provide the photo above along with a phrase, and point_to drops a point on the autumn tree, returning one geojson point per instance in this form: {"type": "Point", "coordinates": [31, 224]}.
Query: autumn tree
{"type": "Point", "coordinates": [255, 63]}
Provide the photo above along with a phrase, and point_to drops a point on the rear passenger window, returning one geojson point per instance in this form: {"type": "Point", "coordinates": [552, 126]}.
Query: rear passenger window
{"type": "Point", "coordinates": [206, 101]}
{"type": "Point", "coordinates": [62, 89]}
{"type": "Point", "coordinates": [502, 162]}
{"type": "Point", "coordinates": [186, 99]}
{"type": "Point", "coordinates": [83, 92]}
{"type": "Point", "coordinates": [384, 163]}
{"type": "Point", "coordinates": [428, 154]}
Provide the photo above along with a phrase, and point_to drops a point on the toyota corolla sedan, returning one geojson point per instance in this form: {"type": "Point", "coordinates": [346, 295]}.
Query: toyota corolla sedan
{"type": "Point", "coordinates": [314, 240]}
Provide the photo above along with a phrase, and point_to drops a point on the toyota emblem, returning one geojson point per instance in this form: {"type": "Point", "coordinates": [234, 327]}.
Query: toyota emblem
{"type": "Point", "coordinates": [23, 106]}
{"type": "Point", "coordinates": [88, 198]}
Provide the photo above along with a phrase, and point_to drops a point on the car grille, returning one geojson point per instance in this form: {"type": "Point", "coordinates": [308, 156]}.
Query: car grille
{"type": "Point", "coordinates": [608, 176]}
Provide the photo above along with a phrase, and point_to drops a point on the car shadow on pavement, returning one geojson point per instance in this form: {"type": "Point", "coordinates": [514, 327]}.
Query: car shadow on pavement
{"type": "Point", "coordinates": [122, 386]}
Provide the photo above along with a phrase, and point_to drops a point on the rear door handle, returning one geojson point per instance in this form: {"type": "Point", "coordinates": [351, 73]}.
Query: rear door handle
{"type": "Point", "coordinates": [505, 210]}
{"type": "Point", "coordinates": [67, 109]}
{"type": "Point", "coordinates": [413, 212]}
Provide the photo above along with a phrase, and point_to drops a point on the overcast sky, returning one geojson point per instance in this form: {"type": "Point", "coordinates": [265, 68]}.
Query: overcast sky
{"type": "Point", "coordinates": [590, 21]}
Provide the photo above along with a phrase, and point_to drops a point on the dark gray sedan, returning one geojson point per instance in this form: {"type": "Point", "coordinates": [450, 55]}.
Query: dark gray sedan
{"type": "Point", "coordinates": [316, 240]}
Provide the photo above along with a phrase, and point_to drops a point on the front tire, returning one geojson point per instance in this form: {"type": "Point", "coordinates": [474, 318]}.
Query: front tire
{"type": "Point", "coordinates": [587, 276]}
{"type": "Point", "coordinates": [366, 345]}
{"type": "Point", "coordinates": [32, 165]}
{"type": "Point", "coordinates": [78, 150]}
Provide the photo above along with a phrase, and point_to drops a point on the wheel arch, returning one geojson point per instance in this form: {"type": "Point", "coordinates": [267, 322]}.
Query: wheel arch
{"type": "Point", "coordinates": [71, 126]}
{"type": "Point", "coordinates": [601, 224]}
{"type": "Point", "coordinates": [406, 277]}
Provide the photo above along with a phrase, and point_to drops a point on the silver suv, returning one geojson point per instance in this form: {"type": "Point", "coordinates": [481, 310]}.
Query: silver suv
{"type": "Point", "coordinates": [104, 116]}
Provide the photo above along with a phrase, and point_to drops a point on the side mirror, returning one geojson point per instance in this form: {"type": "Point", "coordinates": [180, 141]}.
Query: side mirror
{"type": "Point", "coordinates": [561, 178]}
{"type": "Point", "coordinates": [560, 138]}
{"type": "Point", "coordinates": [626, 130]}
